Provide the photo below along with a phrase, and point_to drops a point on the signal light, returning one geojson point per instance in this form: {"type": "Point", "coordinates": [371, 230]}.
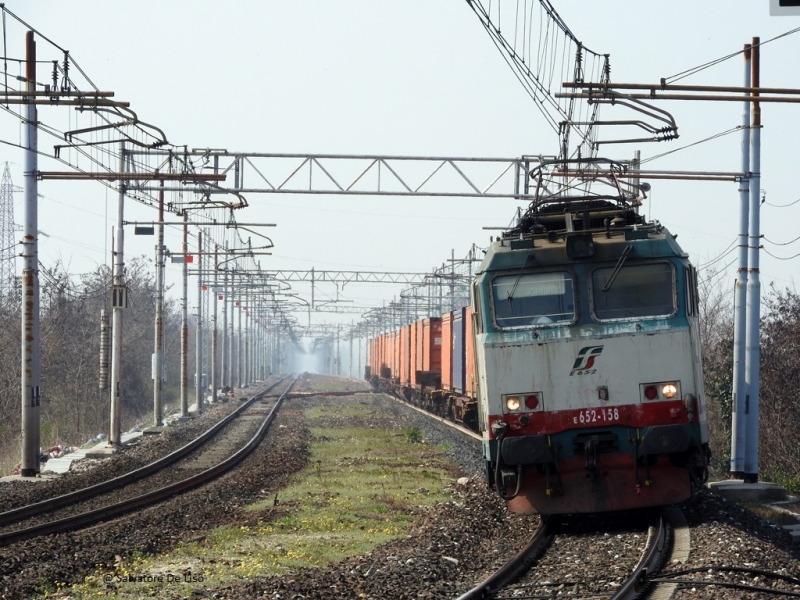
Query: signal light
{"type": "Point", "coordinates": [531, 402]}
{"type": "Point", "coordinates": [651, 392]}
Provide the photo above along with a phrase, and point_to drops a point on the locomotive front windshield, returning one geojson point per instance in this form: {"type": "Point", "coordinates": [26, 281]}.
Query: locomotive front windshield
{"type": "Point", "coordinates": [646, 290]}
{"type": "Point", "coordinates": [533, 299]}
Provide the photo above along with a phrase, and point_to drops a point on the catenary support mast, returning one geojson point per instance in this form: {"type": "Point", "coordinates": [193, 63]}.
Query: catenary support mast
{"type": "Point", "coordinates": [738, 405]}
{"type": "Point", "coordinates": [753, 351]}
{"type": "Point", "coordinates": [119, 300]}
{"type": "Point", "coordinates": [158, 355]}
{"type": "Point", "coordinates": [29, 466]}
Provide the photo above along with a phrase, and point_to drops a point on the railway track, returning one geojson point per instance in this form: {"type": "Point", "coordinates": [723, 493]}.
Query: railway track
{"type": "Point", "coordinates": [211, 454]}
{"type": "Point", "coordinates": [441, 420]}
{"type": "Point", "coordinates": [464, 538]}
{"type": "Point", "coordinates": [530, 573]}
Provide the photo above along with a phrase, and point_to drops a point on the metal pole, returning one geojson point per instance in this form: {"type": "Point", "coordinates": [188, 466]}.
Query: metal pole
{"type": "Point", "coordinates": [119, 301]}
{"type": "Point", "coordinates": [262, 367]}
{"type": "Point", "coordinates": [441, 292]}
{"type": "Point", "coordinates": [738, 406]}
{"type": "Point", "coordinates": [452, 280]}
{"type": "Point", "coordinates": [256, 347]}
{"type": "Point", "coordinates": [752, 352]}
{"type": "Point", "coordinates": [198, 330]}
{"type": "Point", "coordinates": [158, 353]}
{"type": "Point", "coordinates": [30, 338]}
{"type": "Point", "coordinates": [247, 335]}
{"type": "Point", "coordinates": [271, 343]}
{"type": "Point", "coordinates": [214, 366]}
{"type": "Point", "coordinates": [225, 362]}
{"type": "Point", "coordinates": [185, 320]}
{"type": "Point", "coordinates": [240, 352]}
{"type": "Point", "coordinates": [278, 357]}
{"type": "Point", "coordinates": [232, 364]}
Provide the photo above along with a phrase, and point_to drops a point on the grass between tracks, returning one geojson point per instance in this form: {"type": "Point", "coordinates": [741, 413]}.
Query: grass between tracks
{"type": "Point", "coordinates": [362, 487]}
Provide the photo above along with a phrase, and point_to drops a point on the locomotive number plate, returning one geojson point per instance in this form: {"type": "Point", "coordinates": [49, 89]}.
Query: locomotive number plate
{"type": "Point", "coordinates": [597, 415]}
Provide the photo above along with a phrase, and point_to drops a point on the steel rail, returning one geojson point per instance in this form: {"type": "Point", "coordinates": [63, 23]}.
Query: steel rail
{"type": "Point", "coordinates": [658, 547]}
{"type": "Point", "coordinates": [441, 420]}
{"type": "Point", "coordinates": [513, 568]}
{"type": "Point", "coordinates": [30, 510]}
{"type": "Point", "coordinates": [638, 585]}
{"type": "Point", "coordinates": [154, 496]}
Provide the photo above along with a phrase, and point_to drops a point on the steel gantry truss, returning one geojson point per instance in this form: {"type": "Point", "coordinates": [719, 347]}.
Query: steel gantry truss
{"type": "Point", "coordinates": [345, 277]}
{"type": "Point", "coordinates": [346, 174]}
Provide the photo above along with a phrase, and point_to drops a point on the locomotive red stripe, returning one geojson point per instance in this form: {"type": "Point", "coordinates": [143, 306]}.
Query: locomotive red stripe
{"type": "Point", "coordinates": [629, 415]}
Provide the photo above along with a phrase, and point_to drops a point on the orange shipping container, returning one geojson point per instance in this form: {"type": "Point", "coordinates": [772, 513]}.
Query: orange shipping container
{"type": "Point", "coordinates": [432, 345]}
{"type": "Point", "coordinates": [405, 355]}
{"type": "Point", "coordinates": [469, 351]}
{"type": "Point", "coordinates": [416, 354]}
{"type": "Point", "coordinates": [388, 353]}
{"type": "Point", "coordinates": [447, 351]}
{"type": "Point", "coordinates": [379, 354]}
{"type": "Point", "coordinates": [385, 374]}
{"type": "Point", "coordinates": [396, 354]}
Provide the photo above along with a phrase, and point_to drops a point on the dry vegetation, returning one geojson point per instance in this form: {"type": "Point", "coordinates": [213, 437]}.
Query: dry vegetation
{"type": "Point", "coordinates": [779, 412]}
{"type": "Point", "coordinates": [72, 407]}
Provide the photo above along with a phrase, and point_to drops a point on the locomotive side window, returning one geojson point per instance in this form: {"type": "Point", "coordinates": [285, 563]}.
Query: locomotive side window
{"type": "Point", "coordinates": [476, 308]}
{"type": "Point", "coordinates": [692, 307]}
{"type": "Point", "coordinates": [644, 290]}
{"type": "Point", "coordinates": [533, 299]}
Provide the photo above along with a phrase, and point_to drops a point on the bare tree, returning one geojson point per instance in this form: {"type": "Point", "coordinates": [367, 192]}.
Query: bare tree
{"type": "Point", "coordinates": [716, 340]}
{"type": "Point", "coordinates": [779, 426]}
{"type": "Point", "coordinates": [73, 408]}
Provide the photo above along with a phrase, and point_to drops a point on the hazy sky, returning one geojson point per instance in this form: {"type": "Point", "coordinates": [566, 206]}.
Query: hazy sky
{"type": "Point", "coordinates": [411, 77]}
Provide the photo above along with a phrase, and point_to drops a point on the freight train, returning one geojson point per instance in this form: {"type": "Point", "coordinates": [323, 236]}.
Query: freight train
{"type": "Point", "coordinates": [579, 360]}
{"type": "Point", "coordinates": [430, 363]}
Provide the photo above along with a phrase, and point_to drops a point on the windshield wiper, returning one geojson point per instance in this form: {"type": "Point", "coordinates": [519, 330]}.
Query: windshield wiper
{"type": "Point", "coordinates": [617, 268]}
{"type": "Point", "coordinates": [519, 276]}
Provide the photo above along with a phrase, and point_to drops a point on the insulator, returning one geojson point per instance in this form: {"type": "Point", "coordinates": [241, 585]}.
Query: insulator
{"type": "Point", "coordinates": [103, 378]}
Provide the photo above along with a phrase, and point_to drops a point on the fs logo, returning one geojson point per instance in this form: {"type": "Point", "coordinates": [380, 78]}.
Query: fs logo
{"type": "Point", "coordinates": [584, 363]}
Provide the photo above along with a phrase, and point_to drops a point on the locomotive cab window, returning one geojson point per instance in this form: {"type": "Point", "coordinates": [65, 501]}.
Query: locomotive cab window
{"type": "Point", "coordinates": [633, 291]}
{"type": "Point", "coordinates": [533, 299]}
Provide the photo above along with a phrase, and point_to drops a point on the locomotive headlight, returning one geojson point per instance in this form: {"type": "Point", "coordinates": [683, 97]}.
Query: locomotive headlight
{"type": "Point", "coordinates": [521, 402]}
{"type": "Point", "coordinates": [663, 390]}
{"type": "Point", "coordinates": [669, 390]}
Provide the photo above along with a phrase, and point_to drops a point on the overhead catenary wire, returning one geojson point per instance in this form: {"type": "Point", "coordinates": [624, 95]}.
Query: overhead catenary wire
{"type": "Point", "coordinates": [552, 49]}
{"type": "Point", "coordinates": [708, 139]}
{"type": "Point", "coordinates": [780, 243]}
{"type": "Point", "coordinates": [731, 247]}
{"type": "Point", "coordinates": [697, 69]}
{"type": "Point", "coordinates": [782, 205]}
{"type": "Point", "coordinates": [779, 257]}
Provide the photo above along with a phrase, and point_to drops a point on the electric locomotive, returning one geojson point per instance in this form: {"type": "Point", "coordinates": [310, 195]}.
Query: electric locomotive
{"type": "Point", "coordinates": [590, 386]}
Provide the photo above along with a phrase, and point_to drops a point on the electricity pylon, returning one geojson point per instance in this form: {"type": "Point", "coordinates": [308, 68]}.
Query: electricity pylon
{"type": "Point", "coordinates": [7, 242]}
